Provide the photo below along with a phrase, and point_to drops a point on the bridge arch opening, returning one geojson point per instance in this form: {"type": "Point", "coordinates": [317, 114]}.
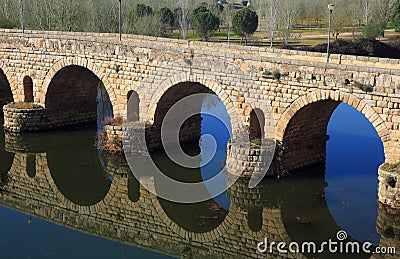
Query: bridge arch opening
{"type": "Point", "coordinates": [257, 123]}
{"type": "Point", "coordinates": [348, 149]}
{"type": "Point", "coordinates": [305, 135]}
{"type": "Point", "coordinates": [6, 95]}
{"type": "Point", "coordinates": [75, 96]}
{"type": "Point", "coordinates": [133, 106]}
{"type": "Point", "coordinates": [28, 89]}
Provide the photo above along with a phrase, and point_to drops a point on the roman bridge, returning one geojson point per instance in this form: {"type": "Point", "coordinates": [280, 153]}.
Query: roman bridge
{"type": "Point", "coordinates": [293, 92]}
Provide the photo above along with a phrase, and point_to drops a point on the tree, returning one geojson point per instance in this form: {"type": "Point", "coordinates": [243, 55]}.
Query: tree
{"type": "Point", "coordinates": [373, 30]}
{"type": "Point", "coordinates": [5, 23]}
{"type": "Point", "coordinates": [396, 19]}
{"type": "Point", "coordinates": [200, 9]}
{"type": "Point", "coordinates": [271, 20]}
{"type": "Point", "coordinates": [183, 18]}
{"type": "Point", "coordinates": [143, 10]}
{"type": "Point", "coordinates": [382, 11]}
{"type": "Point", "coordinates": [167, 19]}
{"type": "Point", "coordinates": [245, 22]}
{"type": "Point", "coordinates": [205, 23]}
{"type": "Point", "coordinates": [287, 15]}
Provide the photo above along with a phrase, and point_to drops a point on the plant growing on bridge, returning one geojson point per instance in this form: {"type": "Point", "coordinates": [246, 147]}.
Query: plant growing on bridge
{"type": "Point", "coordinates": [391, 167]}
{"type": "Point", "coordinates": [205, 22]}
{"type": "Point", "coordinates": [391, 181]}
{"type": "Point", "coordinates": [245, 22]}
{"type": "Point", "coordinates": [365, 88]}
{"type": "Point", "coordinates": [277, 75]}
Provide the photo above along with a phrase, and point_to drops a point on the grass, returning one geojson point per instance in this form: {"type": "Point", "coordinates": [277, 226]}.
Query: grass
{"type": "Point", "coordinates": [304, 37]}
{"type": "Point", "coordinates": [22, 105]}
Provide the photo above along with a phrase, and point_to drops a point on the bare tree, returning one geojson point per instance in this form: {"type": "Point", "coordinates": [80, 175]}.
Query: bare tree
{"type": "Point", "coordinates": [366, 11]}
{"type": "Point", "coordinates": [271, 19]}
{"type": "Point", "coordinates": [287, 15]}
{"type": "Point", "coordinates": [183, 18]}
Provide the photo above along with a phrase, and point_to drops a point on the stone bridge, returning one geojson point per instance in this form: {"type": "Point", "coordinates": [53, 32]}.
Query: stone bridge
{"type": "Point", "coordinates": [295, 91]}
{"type": "Point", "coordinates": [126, 212]}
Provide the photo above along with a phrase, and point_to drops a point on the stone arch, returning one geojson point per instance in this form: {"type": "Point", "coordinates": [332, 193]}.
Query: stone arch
{"type": "Point", "coordinates": [10, 80]}
{"type": "Point", "coordinates": [6, 93]}
{"type": "Point", "coordinates": [237, 119]}
{"type": "Point", "coordinates": [334, 96]}
{"type": "Point", "coordinates": [133, 106]}
{"type": "Point", "coordinates": [76, 95]}
{"type": "Point", "coordinates": [257, 124]}
{"type": "Point", "coordinates": [82, 62]}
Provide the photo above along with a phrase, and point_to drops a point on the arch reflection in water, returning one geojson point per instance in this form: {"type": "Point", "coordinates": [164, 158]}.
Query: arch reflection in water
{"type": "Point", "coordinates": [75, 167]}
{"type": "Point", "coordinates": [149, 224]}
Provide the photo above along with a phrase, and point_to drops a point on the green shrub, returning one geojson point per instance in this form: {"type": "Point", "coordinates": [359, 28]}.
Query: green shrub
{"type": "Point", "coordinates": [277, 75]}
{"type": "Point", "coordinates": [391, 181]}
{"type": "Point", "coordinates": [365, 88]}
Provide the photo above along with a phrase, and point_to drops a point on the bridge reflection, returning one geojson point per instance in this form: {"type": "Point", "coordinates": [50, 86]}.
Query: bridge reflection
{"type": "Point", "coordinates": [42, 184]}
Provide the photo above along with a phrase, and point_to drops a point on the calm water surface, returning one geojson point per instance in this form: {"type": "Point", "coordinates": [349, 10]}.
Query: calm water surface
{"type": "Point", "coordinates": [340, 195]}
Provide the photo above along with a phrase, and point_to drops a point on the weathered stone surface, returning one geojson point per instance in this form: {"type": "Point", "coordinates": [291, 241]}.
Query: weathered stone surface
{"type": "Point", "coordinates": [153, 66]}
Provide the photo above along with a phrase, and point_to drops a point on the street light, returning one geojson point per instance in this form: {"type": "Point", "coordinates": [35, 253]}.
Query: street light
{"type": "Point", "coordinates": [331, 7]}
{"type": "Point", "coordinates": [120, 20]}
{"type": "Point", "coordinates": [21, 2]}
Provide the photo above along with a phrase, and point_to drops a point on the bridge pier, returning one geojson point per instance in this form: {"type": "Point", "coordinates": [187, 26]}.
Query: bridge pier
{"type": "Point", "coordinates": [388, 226]}
{"type": "Point", "coordinates": [32, 117]}
{"type": "Point", "coordinates": [389, 187]}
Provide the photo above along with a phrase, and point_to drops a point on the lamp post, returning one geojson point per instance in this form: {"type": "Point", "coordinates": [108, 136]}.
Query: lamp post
{"type": "Point", "coordinates": [331, 7]}
{"type": "Point", "coordinates": [21, 2]}
{"type": "Point", "coordinates": [120, 20]}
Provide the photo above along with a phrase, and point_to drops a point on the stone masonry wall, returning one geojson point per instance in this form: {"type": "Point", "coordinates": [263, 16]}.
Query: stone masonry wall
{"type": "Point", "coordinates": [150, 66]}
{"type": "Point", "coordinates": [41, 119]}
{"type": "Point", "coordinates": [389, 188]}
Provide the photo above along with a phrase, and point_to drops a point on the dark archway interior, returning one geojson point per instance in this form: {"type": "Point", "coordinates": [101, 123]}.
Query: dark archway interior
{"type": "Point", "coordinates": [6, 95]}
{"type": "Point", "coordinates": [133, 188]}
{"type": "Point", "coordinates": [133, 106]}
{"type": "Point", "coordinates": [71, 96]}
{"type": "Point", "coordinates": [254, 218]}
{"type": "Point", "coordinates": [257, 122]}
{"type": "Point", "coordinates": [191, 129]}
{"type": "Point", "coordinates": [306, 135]}
{"type": "Point", "coordinates": [28, 89]}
